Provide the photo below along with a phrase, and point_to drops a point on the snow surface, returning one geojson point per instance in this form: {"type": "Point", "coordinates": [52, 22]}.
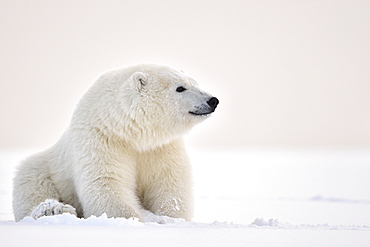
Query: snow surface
{"type": "Point", "coordinates": [243, 198]}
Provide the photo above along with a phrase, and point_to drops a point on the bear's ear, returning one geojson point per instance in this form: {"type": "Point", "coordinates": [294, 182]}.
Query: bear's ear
{"type": "Point", "coordinates": [139, 80]}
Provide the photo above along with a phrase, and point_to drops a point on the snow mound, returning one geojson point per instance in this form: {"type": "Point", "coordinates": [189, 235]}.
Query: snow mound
{"type": "Point", "coordinates": [67, 219]}
{"type": "Point", "coordinates": [319, 198]}
{"type": "Point", "coordinates": [262, 222]}
{"type": "Point", "coordinates": [103, 221]}
{"type": "Point", "coordinates": [275, 223]}
{"type": "Point", "coordinates": [70, 219]}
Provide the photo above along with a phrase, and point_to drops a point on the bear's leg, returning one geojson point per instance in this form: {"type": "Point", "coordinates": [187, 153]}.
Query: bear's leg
{"type": "Point", "coordinates": [107, 195]}
{"type": "Point", "coordinates": [111, 194]}
{"type": "Point", "coordinates": [105, 177]}
{"type": "Point", "coordinates": [32, 186]}
{"type": "Point", "coordinates": [169, 192]}
{"type": "Point", "coordinates": [171, 204]}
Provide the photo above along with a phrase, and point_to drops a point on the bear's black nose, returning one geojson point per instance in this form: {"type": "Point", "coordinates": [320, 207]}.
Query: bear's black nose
{"type": "Point", "coordinates": [213, 102]}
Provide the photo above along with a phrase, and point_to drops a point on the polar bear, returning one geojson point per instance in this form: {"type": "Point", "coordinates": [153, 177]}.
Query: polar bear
{"type": "Point", "coordinates": [123, 152]}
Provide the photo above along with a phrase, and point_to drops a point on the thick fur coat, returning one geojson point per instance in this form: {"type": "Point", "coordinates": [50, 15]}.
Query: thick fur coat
{"type": "Point", "coordinates": [123, 152]}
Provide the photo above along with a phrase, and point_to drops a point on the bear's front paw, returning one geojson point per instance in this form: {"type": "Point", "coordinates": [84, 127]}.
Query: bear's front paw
{"type": "Point", "coordinates": [148, 216]}
{"type": "Point", "coordinates": [52, 207]}
{"type": "Point", "coordinates": [162, 219]}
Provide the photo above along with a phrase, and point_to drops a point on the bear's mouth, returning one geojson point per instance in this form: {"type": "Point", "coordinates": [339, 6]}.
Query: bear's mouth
{"type": "Point", "coordinates": [200, 113]}
{"type": "Point", "coordinates": [206, 110]}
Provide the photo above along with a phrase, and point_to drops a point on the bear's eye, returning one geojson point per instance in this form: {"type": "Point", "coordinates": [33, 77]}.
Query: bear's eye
{"type": "Point", "coordinates": [180, 89]}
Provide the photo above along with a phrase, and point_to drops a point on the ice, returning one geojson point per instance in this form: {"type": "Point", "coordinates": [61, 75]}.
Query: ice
{"type": "Point", "coordinates": [243, 198]}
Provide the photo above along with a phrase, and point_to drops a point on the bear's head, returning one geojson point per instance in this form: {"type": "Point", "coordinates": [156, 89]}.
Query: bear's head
{"type": "Point", "coordinates": [164, 103]}
{"type": "Point", "coordinates": [150, 105]}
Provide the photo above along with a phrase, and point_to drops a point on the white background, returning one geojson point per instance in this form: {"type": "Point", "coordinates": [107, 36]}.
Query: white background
{"type": "Point", "coordinates": [287, 73]}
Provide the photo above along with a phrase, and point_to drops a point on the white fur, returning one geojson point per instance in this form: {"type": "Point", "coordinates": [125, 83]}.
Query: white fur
{"type": "Point", "coordinates": [52, 207]}
{"type": "Point", "coordinates": [122, 154]}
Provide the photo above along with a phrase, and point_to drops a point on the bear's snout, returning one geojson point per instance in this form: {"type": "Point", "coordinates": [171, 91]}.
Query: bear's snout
{"type": "Point", "coordinates": [213, 102]}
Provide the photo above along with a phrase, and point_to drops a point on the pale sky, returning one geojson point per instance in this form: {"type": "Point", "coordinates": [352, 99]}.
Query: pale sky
{"type": "Point", "coordinates": [287, 73]}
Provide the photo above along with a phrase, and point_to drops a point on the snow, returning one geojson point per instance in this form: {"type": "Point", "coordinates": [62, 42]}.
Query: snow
{"type": "Point", "coordinates": [243, 198]}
